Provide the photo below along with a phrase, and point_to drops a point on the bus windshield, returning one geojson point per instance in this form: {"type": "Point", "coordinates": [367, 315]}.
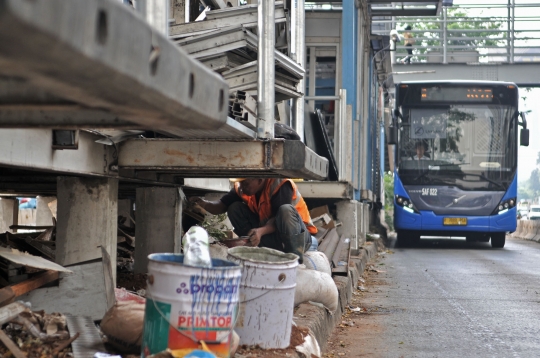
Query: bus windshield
{"type": "Point", "coordinates": [470, 146]}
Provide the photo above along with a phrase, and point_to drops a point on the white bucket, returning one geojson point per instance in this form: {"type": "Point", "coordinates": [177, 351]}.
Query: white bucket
{"type": "Point", "coordinates": [186, 304]}
{"type": "Point", "coordinates": [266, 296]}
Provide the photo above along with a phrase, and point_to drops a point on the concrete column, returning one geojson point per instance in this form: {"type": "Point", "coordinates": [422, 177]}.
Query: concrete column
{"type": "Point", "coordinates": [125, 209]}
{"type": "Point", "coordinates": [159, 223]}
{"type": "Point", "coordinates": [87, 209]}
{"type": "Point", "coordinates": [9, 213]}
{"type": "Point", "coordinates": [43, 212]}
{"type": "Point", "coordinates": [350, 214]}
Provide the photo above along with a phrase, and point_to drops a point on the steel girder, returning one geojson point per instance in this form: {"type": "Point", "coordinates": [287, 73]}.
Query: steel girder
{"type": "Point", "coordinates": [104, 56]}
{"type": "Point", "coordinates": [287, 158]}
{"type": "Point", "coordinates": [524, 74]}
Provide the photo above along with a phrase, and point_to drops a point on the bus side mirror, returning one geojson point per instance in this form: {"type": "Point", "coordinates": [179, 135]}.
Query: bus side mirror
{"type": "Point", "coordinates": [392, 135]}
{"type": "Point", "coordinates": [524, 133]}
{"type": "Point", "coordinates": [524, 137]}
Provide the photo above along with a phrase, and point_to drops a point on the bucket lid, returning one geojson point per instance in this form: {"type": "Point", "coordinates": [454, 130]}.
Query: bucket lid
{"type": "Point", "coordinates": [178, 259]}
{"type": "Point", "coordinates": [262, 254]}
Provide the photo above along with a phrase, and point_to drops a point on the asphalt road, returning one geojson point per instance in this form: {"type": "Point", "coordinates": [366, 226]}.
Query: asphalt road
{"type": "Point", "coordinates": [447, 298]}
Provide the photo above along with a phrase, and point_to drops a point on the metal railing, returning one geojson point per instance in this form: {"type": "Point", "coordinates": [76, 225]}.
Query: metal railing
{"type": "Point", "coordinates": [507, 31]}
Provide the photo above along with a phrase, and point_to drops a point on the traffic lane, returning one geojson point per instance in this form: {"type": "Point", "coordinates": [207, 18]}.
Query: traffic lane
{"type": "Point", "coordinates": [453, 298]}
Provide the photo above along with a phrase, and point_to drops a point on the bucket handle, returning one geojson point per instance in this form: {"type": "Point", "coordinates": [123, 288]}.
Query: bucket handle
{"type": "Point", "coordinates": [282, 277]}
{"type": "Point", "coordinates": [192, 336]}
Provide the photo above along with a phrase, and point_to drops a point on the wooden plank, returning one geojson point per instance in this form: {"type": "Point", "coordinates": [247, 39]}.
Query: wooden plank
{"type": "Point", "coordinates": [11, 346]}
{"type": "Point", "coordinates": [35, 282]}
{"type": "Point", "coordinates": [328, 246]}
{"type": "Point", "coordinates": [8, 294]}
{"type": "Point", "coordinates": [342, 255]}
{"type": "Point", "coordinates": [331, 235]}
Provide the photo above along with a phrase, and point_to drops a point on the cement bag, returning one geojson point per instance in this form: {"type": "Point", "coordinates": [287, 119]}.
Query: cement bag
{"type": "Point", "coordinates": [317, 260]}
{"type": "Point", "coordinates": [317, 287]}
{"type": "Point", "coordinates": [123, 325]}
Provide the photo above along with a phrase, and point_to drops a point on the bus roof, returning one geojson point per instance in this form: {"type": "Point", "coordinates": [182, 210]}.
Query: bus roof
{"type": "Point", "coordinates": [458, 82]}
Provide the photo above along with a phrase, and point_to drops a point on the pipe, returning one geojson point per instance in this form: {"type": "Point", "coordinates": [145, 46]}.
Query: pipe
{"type": "Point", "coordinates": [266, 69]}
{"type": "Point", "coordinates": [445, 60]}
{"type": "Point", "coordinates": [299, 46]}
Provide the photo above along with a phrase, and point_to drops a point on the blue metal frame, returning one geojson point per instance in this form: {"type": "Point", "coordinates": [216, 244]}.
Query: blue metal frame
{"type": "Point", "coordinates": [349, 70]}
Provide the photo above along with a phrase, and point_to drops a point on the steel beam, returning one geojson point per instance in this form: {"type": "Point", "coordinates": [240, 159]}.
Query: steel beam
{"type": "Point", "coordinates": [240, 16]}
{"type": "Point", "coordinates": [223, 159]}
{"type": "Point", "coordinates": [58, 117]}
{"type": "Point", "coordinates": [524, 74]}
{"type": "Point", "coordinates": [32, 149]}
{"type": "Point", "coordinates": [266, 69]}
{"type": "Point", "coordinates": [389, 11]}
{"type": "Point", "coordinates": [299, 41]}
{"type": "Point", "coordinates": [102, 55]}
{"type": "Point", "coordinates": [326, 190]}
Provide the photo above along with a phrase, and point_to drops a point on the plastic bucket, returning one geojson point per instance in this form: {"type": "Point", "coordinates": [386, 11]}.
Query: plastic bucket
{"type": "Point", "coordinates": [266, 296]}
{"type": "Point", "coordinates": [185, 305]}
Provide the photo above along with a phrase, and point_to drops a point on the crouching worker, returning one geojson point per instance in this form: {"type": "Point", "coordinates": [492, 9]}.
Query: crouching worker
{"type": "Point", "coordinates": [271, 212]}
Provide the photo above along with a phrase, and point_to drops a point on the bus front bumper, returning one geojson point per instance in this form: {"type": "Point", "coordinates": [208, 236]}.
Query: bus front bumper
{"type": "Point", "coordinates": [429, 221]}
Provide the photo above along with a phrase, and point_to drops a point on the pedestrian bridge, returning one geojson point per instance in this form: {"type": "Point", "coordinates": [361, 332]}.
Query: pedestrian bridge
{"type": "Point", "coordinates": [497, 40]}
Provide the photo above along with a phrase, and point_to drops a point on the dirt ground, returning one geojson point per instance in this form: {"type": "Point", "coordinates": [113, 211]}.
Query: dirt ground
{"type": "Point", "coordinates": [360, 323]}
{"type": "Point", "coordinates": [297, 338]}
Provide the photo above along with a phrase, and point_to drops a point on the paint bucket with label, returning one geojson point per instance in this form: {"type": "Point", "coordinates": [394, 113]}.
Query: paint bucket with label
{"type": "Point", "coordinates": [186, 305]}
{"type": "Point", "coordinates": [266, 295]}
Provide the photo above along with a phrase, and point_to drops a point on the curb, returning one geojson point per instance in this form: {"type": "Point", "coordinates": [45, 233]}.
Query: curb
{"type": "Point", "coordinates": [317, 319]}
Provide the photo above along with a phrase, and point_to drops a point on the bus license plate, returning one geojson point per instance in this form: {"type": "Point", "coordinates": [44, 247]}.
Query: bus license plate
{"type": "Point", "coordinates": [455, 221]}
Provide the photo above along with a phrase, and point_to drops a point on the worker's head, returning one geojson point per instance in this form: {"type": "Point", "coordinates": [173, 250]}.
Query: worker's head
{"type": "Point", "coordinates": [408, 27]}
{"type": "Point", "coordinates": [252, 186]}
{"type": "Point", "coordinates": [421, 148]}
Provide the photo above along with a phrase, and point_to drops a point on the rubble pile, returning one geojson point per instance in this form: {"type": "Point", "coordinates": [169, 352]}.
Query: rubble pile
{"type": "Point", "coordinates": [34, 334]}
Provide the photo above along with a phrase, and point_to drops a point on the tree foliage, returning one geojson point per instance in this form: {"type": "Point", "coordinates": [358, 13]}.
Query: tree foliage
{"type": "Point", "coordinates": [464, 32]}
{"type": "Point", "coordinates": [530, 189]}
{"type": "Point", "coordinates": [389, 199]}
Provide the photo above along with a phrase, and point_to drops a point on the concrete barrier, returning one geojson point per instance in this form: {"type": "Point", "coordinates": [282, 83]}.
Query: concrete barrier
{"type": "Point", "coordinates": [536, 226]}
{"type": "Point", "coordinates": [519, 229]}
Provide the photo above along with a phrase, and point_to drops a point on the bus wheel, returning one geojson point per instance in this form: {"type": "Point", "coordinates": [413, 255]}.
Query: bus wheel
{"type": "Point", "coordinates": [498, 239]}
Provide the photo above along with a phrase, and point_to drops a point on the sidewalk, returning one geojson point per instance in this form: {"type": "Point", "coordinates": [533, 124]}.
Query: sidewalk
{"type": "Point", "coordinates": [317, 319]}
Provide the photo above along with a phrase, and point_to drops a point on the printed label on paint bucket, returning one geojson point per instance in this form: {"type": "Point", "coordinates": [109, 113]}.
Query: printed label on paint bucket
{"type": "Point", "coordinates": [196, 308]}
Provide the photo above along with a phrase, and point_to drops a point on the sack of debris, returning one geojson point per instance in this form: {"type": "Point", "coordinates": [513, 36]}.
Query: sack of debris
{"type": "Point", "coordinates": [315, 286]}
{"type": "Point", "coordinates": [123, 325]}
{"type": "Point", "coordinates": [317, 260]}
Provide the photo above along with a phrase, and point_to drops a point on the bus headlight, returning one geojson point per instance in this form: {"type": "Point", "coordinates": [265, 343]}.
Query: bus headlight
{"type": "Point", "coordinates": [504, 206]}
{"type": "Point", "coordinates": [406, 204]}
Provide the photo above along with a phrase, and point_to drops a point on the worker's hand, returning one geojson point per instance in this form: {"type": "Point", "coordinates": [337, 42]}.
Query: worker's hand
{"type": "Point", "coordinates": [197, 200]}
{"type": "Point", "coordinates": [254, 237]}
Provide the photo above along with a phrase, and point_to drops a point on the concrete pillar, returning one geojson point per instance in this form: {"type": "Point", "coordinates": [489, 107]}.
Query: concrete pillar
{"type": "Point", "coordinates": [350, 214]}
{"type": "Point", "coordinates": [43, 212]}
{"type": "Point", "coordinates": [158, 225]}
{"type": "Point", "coordinates": [87, 209]}
{"type": "Point", "coordinates": [125, 209]}
{"type": "Point", "coordinates": [9, 213]}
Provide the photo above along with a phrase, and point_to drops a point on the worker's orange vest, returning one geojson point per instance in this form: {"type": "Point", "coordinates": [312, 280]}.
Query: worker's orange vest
{"type": "Point", "coordinates": [264, 207]}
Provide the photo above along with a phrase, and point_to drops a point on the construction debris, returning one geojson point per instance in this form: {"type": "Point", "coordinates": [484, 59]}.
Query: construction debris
{"type": "Point", "coordinates": [34, 334]}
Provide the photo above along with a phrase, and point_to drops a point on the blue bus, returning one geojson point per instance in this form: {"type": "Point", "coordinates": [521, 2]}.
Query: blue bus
{"type": "Point", "coordinates": [456, 150]}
